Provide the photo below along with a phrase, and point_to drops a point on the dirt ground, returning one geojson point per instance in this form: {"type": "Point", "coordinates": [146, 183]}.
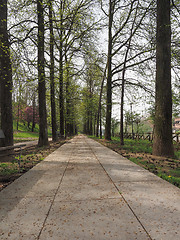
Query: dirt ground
{"type": "Point", "coordinates": [9, 168]}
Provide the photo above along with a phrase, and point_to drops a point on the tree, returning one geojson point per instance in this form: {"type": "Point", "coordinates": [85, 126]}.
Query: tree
{"type": "Point", "coordinates": [43, 134]}
{"type": "Point", "coordinates": [69, 118]}
{"type": "Point", "coordinates": [109, 73]}
{"type": "Point", "coordinates": [5, 77]}
{"type": "Point", "coordinates": [162, 144]}
{"type": "Point", "coordinates": [35, 115]}
{"type": "Point", "coordinates": [73, 26]}
{"type": "Point", "coordinates": [114, 124]}
{"type": "Point", "coordinates": [99, 115]}
{"type": "Point", "coordinates": [61, 82]}
{"type": "Point", "coordinates": [30, 115]}
{"type": "Point", "coordinates": [128, 50]}
{"type": "Point", "coordinates": [123, 81]}
{"type": "Point", "coordinates": [53, 104]}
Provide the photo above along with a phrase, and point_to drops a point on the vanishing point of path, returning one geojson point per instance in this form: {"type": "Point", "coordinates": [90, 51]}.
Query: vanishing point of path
{"type": "Point", "coordinates": [86, 191]}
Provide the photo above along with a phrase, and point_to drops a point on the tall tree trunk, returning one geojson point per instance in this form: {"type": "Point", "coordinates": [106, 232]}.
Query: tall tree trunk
{"type": "Point", "coordinates": [162, 144]}
{"type": "Point", "coordinates": [61, 95]}
{"type": "Point", "coordinates": [69, 123]}
{"type": "Point", "coordinates": [88, 122]}
{"type": "Point", "coordinates": [34, 112]}
{"type": "Point", "coordinates": [43, 134]}
{"type": "Point", "coordinates": [90, 110]}
{"type": "Point", "coordinates": [84, 128]}
{"type": "Point", "coordinates": [100, 122]}
{"type": "Point", "coordinates": [53, 104]}
{"type": "Point", "coordinates": [132, 119]}
{"type": "Point", "coordinates": [100, 98]}
{"type": "Point", "coordinates": [91, 124]}
{"type": "Point", "coordinates": [5, 78]}
{"type": "Point", "coordinates": [94, 124]}
{"type": "Point", "coordinates": [109, 77]}
{"type": "Point", "coordinates": [122, 108]}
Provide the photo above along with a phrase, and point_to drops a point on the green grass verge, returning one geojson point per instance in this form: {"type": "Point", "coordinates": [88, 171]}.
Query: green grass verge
{"type": "Point", "coordinates": [174, 180]}
{"type": "Point", "coordinates": [25, 135]}
{"type": "Point", "coordinates": [135, 146]}
{"type": "Point", "coordinates": [24, 132]}
{"type": "Point", "coordinates": [23, 127]}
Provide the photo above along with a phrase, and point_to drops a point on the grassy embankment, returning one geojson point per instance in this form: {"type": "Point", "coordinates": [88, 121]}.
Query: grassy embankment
{"type": "Point", "coordinates": [140, 152]}
{"type": "Point", "coordinates": [25, 134]}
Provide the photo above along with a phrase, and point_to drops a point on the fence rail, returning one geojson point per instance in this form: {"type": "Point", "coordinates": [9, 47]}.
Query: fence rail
{"type": "Point", "coordinates": [149, 136]}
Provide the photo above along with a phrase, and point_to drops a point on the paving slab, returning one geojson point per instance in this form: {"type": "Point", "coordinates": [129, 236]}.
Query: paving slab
{"type": "Point", "coordinates": [84, 190]}
{"type": "Point", "coordinates": [155, 202]}
{"type": "Point", "coordinates": [157, 205]}
{"type": "Point", "coordinates": [25, 220]}
{"type": "Point", "coordinates": [24, 204]}
{"type": "Point", "coordinates": [95, 219]}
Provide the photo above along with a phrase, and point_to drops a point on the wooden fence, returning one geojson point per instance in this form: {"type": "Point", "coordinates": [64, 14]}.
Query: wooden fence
{"type": "Point", "coordinates": [138, 136]}
{"type": "Point", "coordinates": [149, 136]}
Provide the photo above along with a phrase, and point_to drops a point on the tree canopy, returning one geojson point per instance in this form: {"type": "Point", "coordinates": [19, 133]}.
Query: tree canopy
{"type": "Point", "coordinates": [74, 62]}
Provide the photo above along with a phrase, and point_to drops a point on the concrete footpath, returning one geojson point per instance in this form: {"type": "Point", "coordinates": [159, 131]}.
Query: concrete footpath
{"type": "Point", "coordinates": [86, 191]}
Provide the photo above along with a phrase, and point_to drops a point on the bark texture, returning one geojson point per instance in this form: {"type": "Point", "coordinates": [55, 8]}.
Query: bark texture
{"type": "Point", "coordinates": [61, 87]}
{"type": "Point", "coordinates": [5, 78]}
{"type": "Point", "coordinates": [43, 134]}
{"type": "Point", "coordinates": [53, 104]}
{"type": "Point", "coordinates": [99, 106]}
{"type": "Point", "coordinates": [162, 145]}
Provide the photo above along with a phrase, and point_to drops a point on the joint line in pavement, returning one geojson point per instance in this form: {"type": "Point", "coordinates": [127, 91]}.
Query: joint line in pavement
{"type": "Point", "coordinates": [119, 192]}
{"type": "Point", "coordinates": [55, 193]}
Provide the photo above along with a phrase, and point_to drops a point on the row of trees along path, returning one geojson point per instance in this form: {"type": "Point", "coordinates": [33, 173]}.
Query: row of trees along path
{"type": "Point", "coordinates": [71, 34]}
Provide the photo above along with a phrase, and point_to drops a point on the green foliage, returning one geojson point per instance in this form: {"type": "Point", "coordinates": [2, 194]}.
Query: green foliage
{"type": "Point", "coordinates": [177, 154]}
{"type": "Point", "coordinates": [92, 88]}
{"type": "Point", "coordinates": [114, 126]}
{"type": "Point", "coordinates": [176, 99]}
{"type": "Point", "coordinates": [25, 135]}
{"type": "Point", "coordinates": [172, 176]}
{"type": "Point", "coordinates": [24, 132]}
{"type": "Point", "coordinates": [137, 160]}
{"type": "Point", "coordinates": [145, 127]}
{"type": "Point", "coordinates": [23, 127]}
{"type": "Point", "coordinates": [139, 125]}
{"type": "Point", "coordinates": [8, 168]}
{"type": "Point", "coordinates": [135, 146]}
{"type": "Point", "coordinates": [174, 180]}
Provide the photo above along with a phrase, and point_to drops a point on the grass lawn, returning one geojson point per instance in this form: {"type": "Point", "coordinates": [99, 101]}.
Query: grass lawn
{"type": "Point", "coordinates": [19, 134]}
{"type": "Point", "coordinates": [140, 152]}
{"type": "Point", "coordinates": [24, 133]}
